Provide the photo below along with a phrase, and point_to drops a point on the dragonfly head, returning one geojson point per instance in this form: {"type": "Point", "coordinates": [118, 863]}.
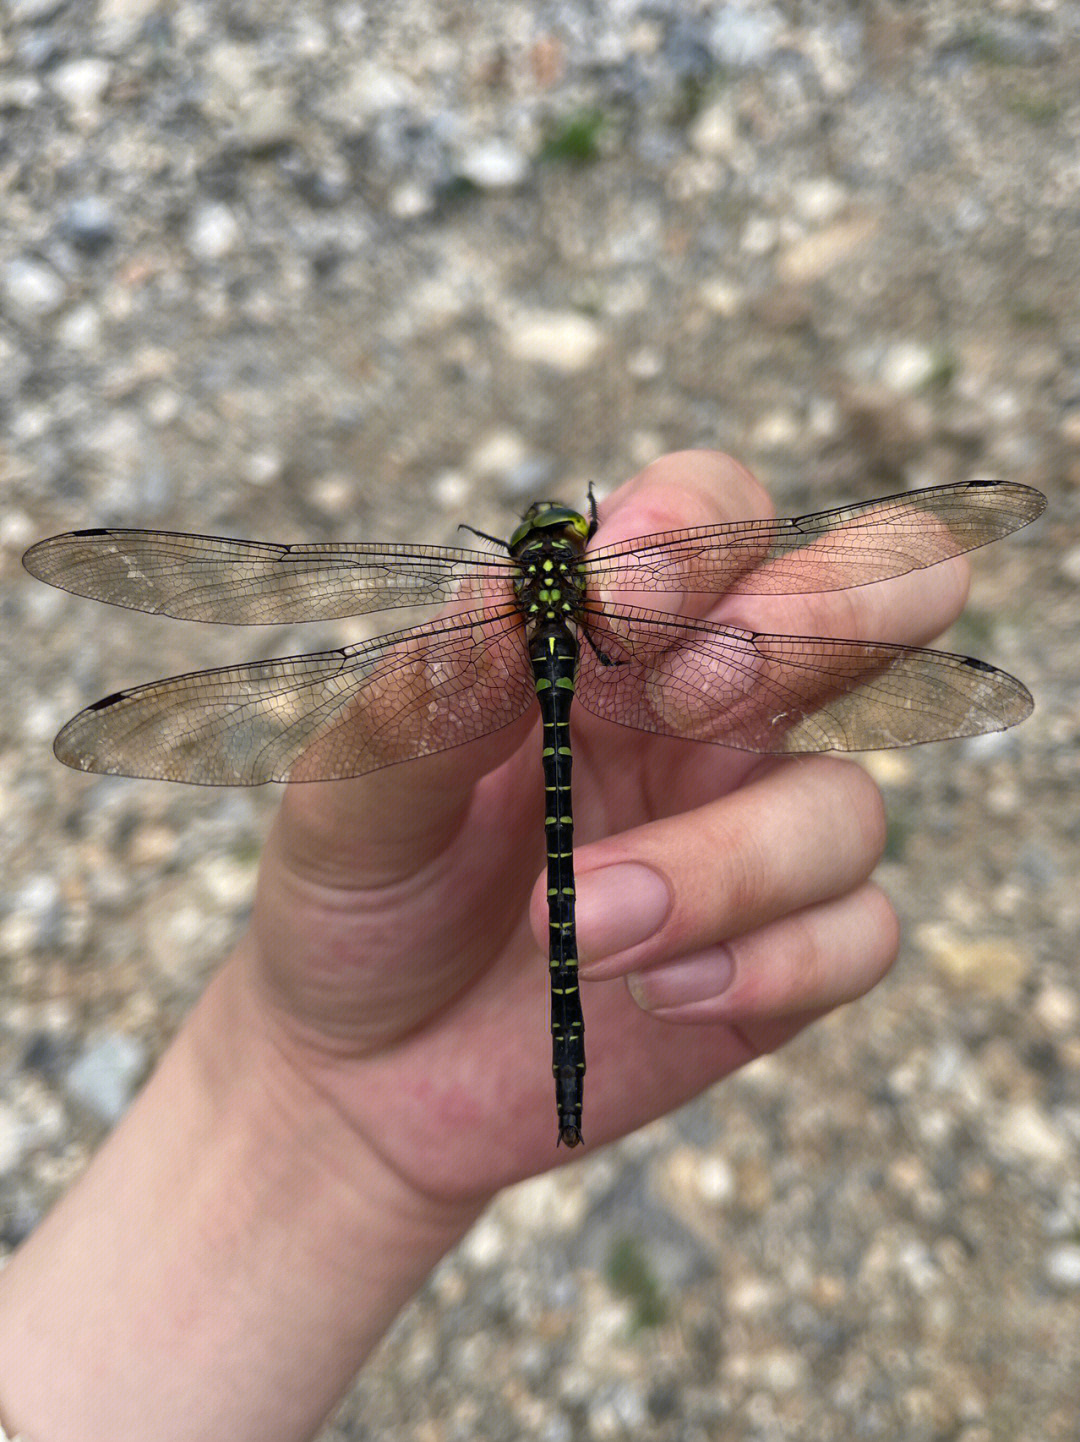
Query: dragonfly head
{"type": "Point", "coordinates": [549, 517]}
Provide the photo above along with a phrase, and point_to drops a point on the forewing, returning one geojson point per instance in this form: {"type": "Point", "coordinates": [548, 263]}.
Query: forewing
{"type": "Point", "coordinates": [824, 551]}
{"type": "Point", "coordinates": [785, 694]}
{"type": "Point", "coordinates": [213, 578]}
{"type": "Point", "coordinates": [320, 717]}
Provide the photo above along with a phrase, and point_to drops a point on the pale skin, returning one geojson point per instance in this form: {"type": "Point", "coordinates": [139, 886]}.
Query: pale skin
{"type": "Point", "coordinates": [370, 1066]}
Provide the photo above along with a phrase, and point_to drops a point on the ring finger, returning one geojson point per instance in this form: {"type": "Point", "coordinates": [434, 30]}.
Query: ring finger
{"type": "Point", "coordinates": [801, 965]}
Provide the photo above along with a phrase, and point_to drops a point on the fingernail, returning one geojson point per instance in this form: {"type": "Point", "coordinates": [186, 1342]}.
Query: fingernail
{"type": "Point", "coordinates": [620, 906]}
{"type": "Point", "coordinates": [692, 979]}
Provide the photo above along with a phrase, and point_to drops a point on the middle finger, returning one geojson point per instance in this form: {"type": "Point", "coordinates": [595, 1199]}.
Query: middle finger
{"type": "Point", "coordinates": [797, 835]}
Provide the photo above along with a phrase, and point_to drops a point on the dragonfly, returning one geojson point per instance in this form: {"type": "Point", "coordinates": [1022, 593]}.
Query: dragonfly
{"type": "Point", "coordinates": [531, 624]}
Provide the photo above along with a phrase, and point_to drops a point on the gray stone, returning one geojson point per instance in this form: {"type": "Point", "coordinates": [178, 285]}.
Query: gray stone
{"type": "Point", "coordinates": [105, 1076]}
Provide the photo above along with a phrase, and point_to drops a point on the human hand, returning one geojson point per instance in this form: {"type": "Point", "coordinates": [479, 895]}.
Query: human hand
{"type": "Point", "coordinates": [397, 956]}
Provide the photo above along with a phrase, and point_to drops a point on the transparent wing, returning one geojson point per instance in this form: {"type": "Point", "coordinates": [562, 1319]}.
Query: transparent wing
{"type": "Point", "coordinates": [213, 578]}
{"type": "Point", "coordinates": [824, 551]}
{"type": "Point", "coordinates": [785, 694]}
{"type": "Point", "coordinates": [319, 717]}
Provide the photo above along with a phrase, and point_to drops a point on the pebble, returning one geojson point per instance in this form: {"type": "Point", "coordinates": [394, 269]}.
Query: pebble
{"type": "Point", "coordinates": [721, 295]}
{"type": "Point", "coordinates": [119, 21]}
{"type": "Point", "coordinates": [81, 84]}
{"type": "Point", "coordinates": [1056, 1008]}
{"type": "Point", "coordinates": [907, 366]}
{"type": "Point", "coordinates": [814, 256]}
{"type": "Point", "coordinates": [645, 364]}
{"type": "Point", "coordinates": [19, 92]}
{"type": "Point", "coordinates": [12, 1139]}
{"type": "Point", "coordinates": [1063, 1266]}
{"type": "Point", "coordinates": [818, 199]}
{"type": "Point", "coordinates": [1027, 1135]}
{"type": "Point", "coordinates": [760, 235]}
{"type": "Point", "coordinates": [776, 430]}
{"type": "Point", "coordinates": [213, 232]}
{"type": "Point", "coordinates": [163, 405]}
{"type": "Point", "coordinates": [497, 452]}
{"type": "Point", "coordinates": [35, 914]}
{"type": "Point", "coordinates": [411, 200]}
{"type": "Point", "coordinates": [266, 467]}
{"type": "Point", "coordinates": [617, 1411]}
{"type": "Point", "coordinates": [265, 121]}
{"type": "Point", "coordinates": [1069, 427]}
{"type": "Point", "coordinates": [715, 132]}
{"type": "Point", "coordinates": [32, 288]}
{"type": "Point", "coordinates": [565, 341]}
{"type": "Point", "coordinates": [105, 1076]}
{"type": "Point", "coordinates": [494, 165]}
{"type": "Point", "coordinates": [1070, 565]}
{"type": "Point", "coordinates": [993, 967]}
{"type": "Point", "coordinates": [450, 489]}
{"type": "Point", "coordinates": [33, 11]}
{"type": "Point", "coordinates": [90, 224]}
{"type": "Point", "coordinates": [744, 38]}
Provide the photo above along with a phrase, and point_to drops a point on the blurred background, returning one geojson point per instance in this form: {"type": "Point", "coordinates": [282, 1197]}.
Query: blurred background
{"type": "Point", "coordinates": [335, 270]}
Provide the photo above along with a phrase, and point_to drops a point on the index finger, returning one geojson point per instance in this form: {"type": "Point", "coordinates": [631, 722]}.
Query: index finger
{"type": "Point", "coordinates": [819, 578]}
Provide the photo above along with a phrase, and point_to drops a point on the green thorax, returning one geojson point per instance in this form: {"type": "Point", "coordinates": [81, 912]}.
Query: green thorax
{"type": "Point", "coordinates": [548, 518]}
{"type": "Point", "coordinates": [549, 545]}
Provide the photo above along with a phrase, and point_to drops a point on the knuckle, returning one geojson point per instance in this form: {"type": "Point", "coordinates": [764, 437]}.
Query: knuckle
{"type": "Point", "coordinates": [855, 797]}
{"type": "Point", "coordinates": [744, 871]}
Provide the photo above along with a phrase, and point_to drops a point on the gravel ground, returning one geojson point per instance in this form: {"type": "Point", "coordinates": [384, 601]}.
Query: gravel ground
{"type": "Point", "coordinates": [357, 270]}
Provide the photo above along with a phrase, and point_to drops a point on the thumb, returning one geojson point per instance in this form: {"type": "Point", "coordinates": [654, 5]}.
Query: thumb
{"type": "Point", "coordinates": [381, 828]}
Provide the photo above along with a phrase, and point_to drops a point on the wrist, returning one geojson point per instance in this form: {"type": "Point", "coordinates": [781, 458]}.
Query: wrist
{"type": "Point", "coordinates": [250, 1076]}
{"type": "Point", "coordinates": [226, 1263]}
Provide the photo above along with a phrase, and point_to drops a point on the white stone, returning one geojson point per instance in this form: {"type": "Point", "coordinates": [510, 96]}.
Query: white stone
{"type": "Point", "coordinates": [497, 453]}
{"type": "Point", "coordinates": [485, 1245]}
{"type": "Point", "coordinates": [494, 165]}
{"type": "Point", "coordinates": [263, 468]}
{"type": "Point", "coordinates": [818, 199]}
{"type": "Point", "coordinates": [907, 366]}
{"type": "Point", "coordinates": [716, 1180]}
{"type": "Point", "coordinates": [1070, 564]}
{"type": "Point", "coordinates": [81, 84]}
{"type": "Point", "coordinates": [563, 340]}
{"type": "Point", "coordinates": [645, 364]}
{"type": "Point", "coordinates": [213, 232]}
{"type": "Point", "coordinates": [1055, 1008]}
{"type": "Point", "coordinates": [721, 296]}
{"type": "Point", "coordinates": [80, 329]}
{"type": "Point", "coordinates": [16, 529]}
{"type": "Point", "coordinates": [411, 199]}
{"type": "Point", "coordinates": [335, 493]}
{"type": "Point", "coordinates": [714, 131]}
{"type": "Point", "coordinates": [33, 289]}
{"type": "Point", "coordinates": [450, 489]}
{"type": "Point", "coordinates": [744, 37]}
{"type": "Point", "coordinates": [776, 430]}
{"type": "Point", "coordinates": [12, 1139]}
{"type": "Point", "coordinates": [1069, 428]}
{"type": "Point", "coordinates": [1028, 1135]}
{"type": "Point", "coordinates": [163, 405]}
{"type": "Point", "coordinates": [1063, 1265]}
{"type": "Point", "coordinates": [18, 92]}
{"type": "Point", "coordinates": [760, 235]}
{"type": "Point", "coordinates": [119, 20]}
{"type": "Point", "coordinates": [367, 89]}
